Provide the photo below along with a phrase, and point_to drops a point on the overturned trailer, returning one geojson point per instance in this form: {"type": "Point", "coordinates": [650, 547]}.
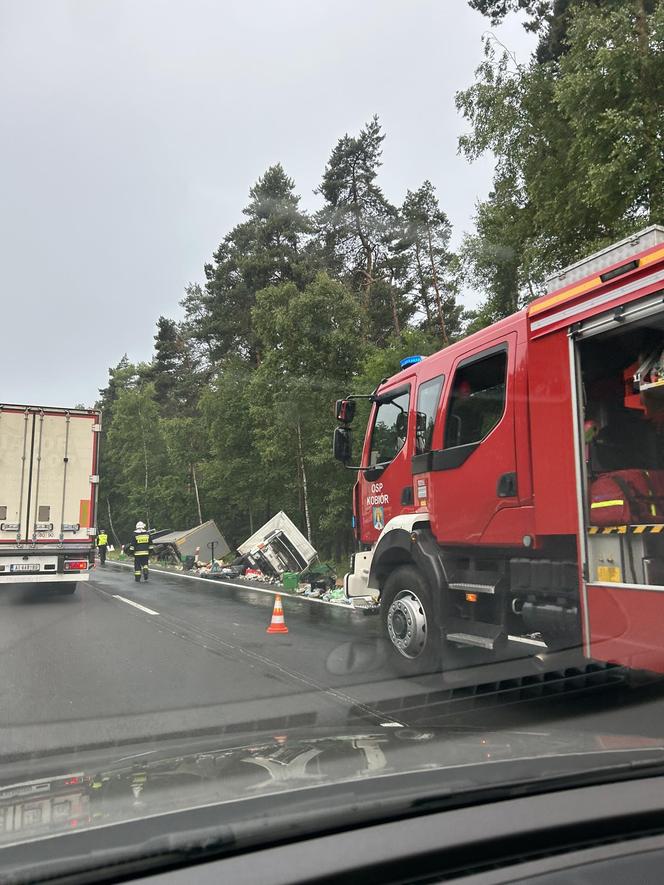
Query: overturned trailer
{"type": "Point", "coordinates": [203, 541]}
{"type": "Point", "coordinates": [278, 547]}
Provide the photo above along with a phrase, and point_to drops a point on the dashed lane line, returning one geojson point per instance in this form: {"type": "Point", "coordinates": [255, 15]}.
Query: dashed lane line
{"type": "Point", "coordinates": [206, 639]}
{"type": "Point", "coordinates": [143, 608]}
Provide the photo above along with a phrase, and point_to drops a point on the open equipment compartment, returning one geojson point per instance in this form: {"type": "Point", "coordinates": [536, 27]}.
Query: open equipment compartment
{"type": "Point", "coordinates": [621, 375]}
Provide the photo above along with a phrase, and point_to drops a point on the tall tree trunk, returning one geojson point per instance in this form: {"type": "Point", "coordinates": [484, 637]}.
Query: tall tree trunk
{"type": "Point", "coordinates": [366, 245]}
{"type": "Point", "coordinates": [305, 491]}
{"type": "Point", "coordinates": [436, 289]}
{"type": "Point", "coordinates": [110, 523]}
{"type": "Point", "coordinates": [145, 461]}
{"type": "Point", "coordinates": [651, 116]}
{"type": "Point", "coordinates": [393, 302]}
{"type": "Point", "coordinates": [198, 500]}
{"type": "Point", "coordinates": [423, 285]}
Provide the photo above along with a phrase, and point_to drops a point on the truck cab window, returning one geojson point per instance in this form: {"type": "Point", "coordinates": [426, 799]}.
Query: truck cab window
{"type": "Point", "coordinates": [478, 400]}
{"type": "Point", "coordinates": [428, 397]}
{"type": "Point", "coordinates": [390, 429]}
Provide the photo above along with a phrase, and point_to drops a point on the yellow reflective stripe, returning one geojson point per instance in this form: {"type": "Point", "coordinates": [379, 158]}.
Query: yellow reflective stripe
{"type": "Point", "coordinates": [141, 539]}
{"type": "Point", "coordinates": [656, 529]}
{"type": "Point", "coordinates": [564, 296]}
{"type": "Point", "coordinates": [606, 504]}
{"type": "Point", "coordinates": [539, 306]}
{"type": "Point", "coordinates": [142, 553]}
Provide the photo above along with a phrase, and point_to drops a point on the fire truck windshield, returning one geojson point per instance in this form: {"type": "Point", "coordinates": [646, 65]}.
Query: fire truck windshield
{"type": "Point", "coordinates": [390, 427]}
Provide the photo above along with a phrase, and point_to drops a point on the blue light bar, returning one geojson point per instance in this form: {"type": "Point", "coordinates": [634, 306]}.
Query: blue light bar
{"type": "Point", "coordinates": [410, 361]}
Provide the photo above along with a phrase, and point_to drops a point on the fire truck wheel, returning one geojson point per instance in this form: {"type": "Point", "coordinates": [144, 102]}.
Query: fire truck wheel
{"type": "Point", "coordinates": [408, 620]}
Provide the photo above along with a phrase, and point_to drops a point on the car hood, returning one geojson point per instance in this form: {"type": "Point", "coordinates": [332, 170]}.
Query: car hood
{"type": "Point", "coordinates": [78, 792]}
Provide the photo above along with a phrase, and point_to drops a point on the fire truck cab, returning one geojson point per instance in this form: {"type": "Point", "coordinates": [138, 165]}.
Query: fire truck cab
{"type": "Point", "coordinates": [511, 488]}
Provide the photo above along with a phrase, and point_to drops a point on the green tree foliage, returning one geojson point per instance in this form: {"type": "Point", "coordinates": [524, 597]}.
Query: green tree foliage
{"type": "Point", "coordinates": [357, 226]}
{"type": "Point", "coordinates": [174, 369]}
{"type": "Point", "coordinates": [232, 419]}
{"type": "Point", "coordinates": [313, 343]}
{"type": "Point", "coordinates": [266, 249]}
{"type": "Point", "coordinates": [434, 269]}
{"type": "Point", "coordinates": [136, 440]}
{"type": "Point", "coordinates": [577, 133]}
{"type": "Point", "coordinates": [548, 18]}
{"type": "Point", "coordinates": [235, 491]}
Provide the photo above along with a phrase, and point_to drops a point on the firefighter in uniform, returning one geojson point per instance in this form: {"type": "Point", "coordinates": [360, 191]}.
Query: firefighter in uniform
{"type": "Point", "coordinates": [102, 544]}
{"type": "Point", "coordinates": [141, 547]}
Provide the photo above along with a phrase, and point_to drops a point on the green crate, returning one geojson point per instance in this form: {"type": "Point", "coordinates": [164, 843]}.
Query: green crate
{"type": "Point", "coordinates": [290, 580]}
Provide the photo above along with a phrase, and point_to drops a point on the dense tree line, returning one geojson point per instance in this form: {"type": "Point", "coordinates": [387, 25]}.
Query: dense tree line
{"type": "Point", "coordinates": [232, 417]}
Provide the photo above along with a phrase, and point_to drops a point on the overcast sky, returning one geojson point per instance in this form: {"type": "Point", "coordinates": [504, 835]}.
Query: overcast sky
{"type": "Point", "coordinates": [133, 129]}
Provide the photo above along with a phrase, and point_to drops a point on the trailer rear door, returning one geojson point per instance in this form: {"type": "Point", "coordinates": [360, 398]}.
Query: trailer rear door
{"type": "Point", "coordinates": [16, 441]}
{"type": "Point", "coordinates": [47, 475]}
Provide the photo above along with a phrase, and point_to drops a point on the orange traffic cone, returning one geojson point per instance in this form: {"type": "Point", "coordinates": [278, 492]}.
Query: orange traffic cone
{"type": "Point", "coordinates": [277, 624]}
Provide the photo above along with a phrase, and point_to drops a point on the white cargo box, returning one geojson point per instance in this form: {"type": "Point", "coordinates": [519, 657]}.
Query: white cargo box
{"type": "Point", "coordinates": [280, 523]}
{"type": "Point", "coordinates": [201, 536]}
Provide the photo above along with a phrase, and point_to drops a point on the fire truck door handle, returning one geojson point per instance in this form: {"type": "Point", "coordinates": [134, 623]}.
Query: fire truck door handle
{"type": "Point", "coordinates": [507, 486]}
{"type": "Point", "coordinates": [406, 496]}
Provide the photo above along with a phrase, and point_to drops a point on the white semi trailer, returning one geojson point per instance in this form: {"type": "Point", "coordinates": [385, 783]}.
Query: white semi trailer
{"type": "Point", "coordinates": [48, 494]}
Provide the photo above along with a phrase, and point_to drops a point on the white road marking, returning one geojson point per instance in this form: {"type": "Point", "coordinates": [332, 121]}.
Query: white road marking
{"type": "Point", "coordinates": [222, 583]}
{"type": "Point", "coordinates": [143, 608]}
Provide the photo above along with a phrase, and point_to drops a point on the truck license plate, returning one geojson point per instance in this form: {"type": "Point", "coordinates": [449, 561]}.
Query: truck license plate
{"type": "Point", "coordinates": [23, 567]}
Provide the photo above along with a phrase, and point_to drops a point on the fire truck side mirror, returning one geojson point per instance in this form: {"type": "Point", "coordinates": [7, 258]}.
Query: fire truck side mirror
{"type": "Point", "coordinates": [342, 444]}
{"type": "Point", "coordinates": [402, 424]}
{"type": "Point", "coordinates": [345, 410]}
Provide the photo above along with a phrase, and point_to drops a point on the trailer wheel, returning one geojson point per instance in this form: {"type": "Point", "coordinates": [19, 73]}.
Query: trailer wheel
{"type": "Point", "coordinates": [407, 615]}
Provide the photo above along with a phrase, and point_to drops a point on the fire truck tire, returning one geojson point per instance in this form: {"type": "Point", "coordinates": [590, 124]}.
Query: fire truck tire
{"type": "Point", "coordinates": [67, 588]}
{"type": "Point", "coordinates": [408, 620]}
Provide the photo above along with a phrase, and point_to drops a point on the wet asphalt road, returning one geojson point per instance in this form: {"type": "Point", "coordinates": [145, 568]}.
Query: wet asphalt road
{"type": "Point", "coordinates": [192, 657]}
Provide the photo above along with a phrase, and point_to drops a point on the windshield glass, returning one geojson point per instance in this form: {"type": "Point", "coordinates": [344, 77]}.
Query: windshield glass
{"type": "Point", "coordinates": [332, 424]}
{"type": "Point", "coordinates": [390, 428]}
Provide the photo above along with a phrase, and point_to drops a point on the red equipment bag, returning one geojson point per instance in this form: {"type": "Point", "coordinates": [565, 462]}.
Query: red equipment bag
{"type": "Point", "coordinates": [627, 497]}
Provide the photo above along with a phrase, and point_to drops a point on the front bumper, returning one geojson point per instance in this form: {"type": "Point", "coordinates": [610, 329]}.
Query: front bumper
{"type": "Point", "coordinates": [47, 578]}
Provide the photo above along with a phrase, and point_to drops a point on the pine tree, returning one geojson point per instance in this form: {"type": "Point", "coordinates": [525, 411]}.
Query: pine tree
{"type": "Point", "coordinates": [266, 249]}
{"type": "Point", "coordinates": [174, 369]}
{"type": "Point", "coordinates": [433, 267]}
{"type": "Point", "coordinates": [355, 222]}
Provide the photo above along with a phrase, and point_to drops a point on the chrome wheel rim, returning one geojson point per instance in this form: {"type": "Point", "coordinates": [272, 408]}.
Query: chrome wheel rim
{"type": "Point", "coordinates": [407, 624]}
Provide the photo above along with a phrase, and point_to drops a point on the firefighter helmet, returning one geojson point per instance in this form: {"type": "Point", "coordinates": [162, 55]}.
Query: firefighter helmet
{"type": "Point", "coordinates": [140, 526]}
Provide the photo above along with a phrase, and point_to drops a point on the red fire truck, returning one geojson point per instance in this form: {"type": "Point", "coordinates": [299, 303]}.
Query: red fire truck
{"type": "Point", "coordinates": [510, 492]}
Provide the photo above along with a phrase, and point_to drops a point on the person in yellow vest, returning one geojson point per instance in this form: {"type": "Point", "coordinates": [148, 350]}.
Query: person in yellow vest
{"type": "Point", "coordinates": [140, 548]}
{"type": "Point", "coordinates": [102, 544]}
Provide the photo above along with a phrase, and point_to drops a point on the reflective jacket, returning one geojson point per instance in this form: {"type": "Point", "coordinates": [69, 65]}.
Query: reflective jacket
{"type": "Point", "coordinates": [141, 545]}
{"type": "Point", "coordinates": [102, 539]}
